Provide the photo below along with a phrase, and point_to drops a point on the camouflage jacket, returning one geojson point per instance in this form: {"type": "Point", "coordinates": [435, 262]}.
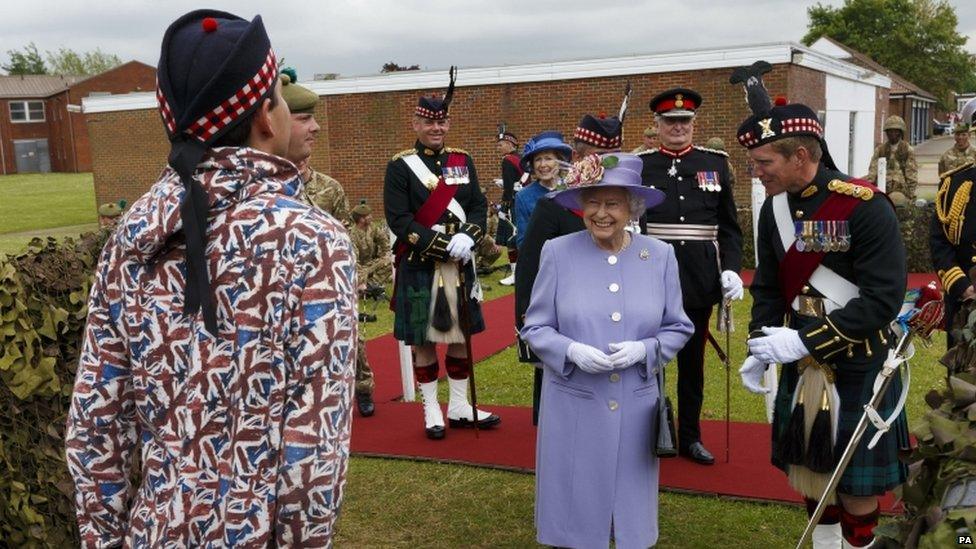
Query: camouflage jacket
{"type": "Point", "coordinates": [953, 158]}
{"type": "Point", "coordinates": [327, 194]}
{"type": "Point", "coordinates": [372, 247]}
{"type": "Point", "coordinates": [902, 171]}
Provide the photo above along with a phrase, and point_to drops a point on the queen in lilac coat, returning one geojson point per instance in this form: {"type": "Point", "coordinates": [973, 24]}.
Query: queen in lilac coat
{"type": "Point", "coordinates": [595, 469]}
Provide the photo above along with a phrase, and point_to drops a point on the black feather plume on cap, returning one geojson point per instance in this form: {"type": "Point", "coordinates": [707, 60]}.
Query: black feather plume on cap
{"type": "Point", "coordinates": [450, 88]}
{"type": "Point", "coordinates": [756, 95]}
{"type": "Point", "coordinates": [624, 103]}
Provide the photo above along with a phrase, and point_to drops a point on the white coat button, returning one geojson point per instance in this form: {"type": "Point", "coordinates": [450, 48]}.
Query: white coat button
{"type": "Point", "coordinates": [614, 288]}
{"type": "Point", "coordinates": [678, 161]}
{"type": "Point", "coordinates": [612, 260]}
{"type": "Point", "coordinates": [681, 197]}
{"type": "Point", "coordinates": [682, 218]}
{"type": "Point", "coordinates": [614, 405]}
{"type": "Point", "coordinates": [615, 317]}
{"type": "Point", "coordinates": [614, 377]}
{"type": "Point", "coordinates": [682, 242]}
{"type": "Point", "coordinates": [653, 187]}
{"type": "Point", "coordinates": [679, 178]}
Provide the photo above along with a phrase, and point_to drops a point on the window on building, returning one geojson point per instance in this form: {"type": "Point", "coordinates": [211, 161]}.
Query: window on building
{"type": "Point", "coordinates": [27, 111]}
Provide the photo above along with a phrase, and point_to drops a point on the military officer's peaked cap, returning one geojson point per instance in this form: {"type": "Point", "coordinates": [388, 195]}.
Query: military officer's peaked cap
{"type": "Point", "coordinates": [435, 107]}
{"type": "Point", "coordinates": [600, 131]}
{"type": "Point", "coordinates": [676, 102]}
{"type": "Point", "coordinates": [771, 122]}
{"type": "Point", "coordinates": [299, 98]}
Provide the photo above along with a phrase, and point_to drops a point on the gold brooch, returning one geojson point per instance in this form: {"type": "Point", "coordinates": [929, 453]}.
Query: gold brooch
{"type": "Point", "coordinates": [767, 128]}
{"type": "Point", "coordinates": [644, 254]}
{"type": "Point", "coordinates": [413, 238]}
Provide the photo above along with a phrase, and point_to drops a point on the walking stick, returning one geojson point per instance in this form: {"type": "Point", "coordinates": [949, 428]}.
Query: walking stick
{"type": "Point", "coordinates": [917, 322]}
{"type": "Point", "coordinates": [466, 330]}
{"type": "Point", "coordinates": [727, 309]}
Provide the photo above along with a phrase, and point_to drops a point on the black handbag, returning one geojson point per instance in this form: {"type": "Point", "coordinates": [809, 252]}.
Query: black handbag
{"type": "Point", "coordinates": [664, 444]}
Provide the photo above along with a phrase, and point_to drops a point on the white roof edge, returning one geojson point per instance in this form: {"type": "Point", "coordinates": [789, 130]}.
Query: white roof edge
{"type": "Point", "coordinates": [735, 56]}
{"type": "Point", "coordinates": [119, 102]}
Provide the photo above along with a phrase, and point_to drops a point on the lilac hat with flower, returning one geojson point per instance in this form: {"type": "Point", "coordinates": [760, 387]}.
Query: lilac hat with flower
{"type": "Point", "coordinates": [607, 170]}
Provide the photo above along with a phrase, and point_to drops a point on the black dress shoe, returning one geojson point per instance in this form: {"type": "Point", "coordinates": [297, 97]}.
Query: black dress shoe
{"type": "Point", "coordinates": [436, 432]}
{"type": "Point", "coordinates": [696, 452]}
{"type": "Point", "coordinates": [365, 405]}
{"type": "Point", "coordinates": [486, 423]}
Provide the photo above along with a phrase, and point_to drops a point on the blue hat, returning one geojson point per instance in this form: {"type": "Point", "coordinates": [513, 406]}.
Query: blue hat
{"type": "Point", "coordinates": [214, 70]}
{"type": "Point", "coordinates": [606, 170]}
{"type": "Point", "coordinates": [545, 141]}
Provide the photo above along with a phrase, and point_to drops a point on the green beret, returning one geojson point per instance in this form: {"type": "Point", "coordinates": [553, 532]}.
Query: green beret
{"type": "Point", "coordinates": [299, 98]}
{"type": "Point", "coordinates": [362, 210]}
{"type": "Point", "coordinates": [961, 128]}
{"type": "Point", "coordinates": [650, 131]}
{"type": "Point", "coordinates": [715, 143]}
{"type": "Point", "coordinates": [110, 209]}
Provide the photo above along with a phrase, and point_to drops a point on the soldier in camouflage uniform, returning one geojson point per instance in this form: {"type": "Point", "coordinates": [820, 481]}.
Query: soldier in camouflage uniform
{"type": "Point", "coordinates": [110, 213]}
{"type": "Point", "coordinates": [328, 195]}
{"type": "Point", "coordinates": [486, 250]}
{"type": "Point", "coordinates": [718, 144]}
{"type": "Point", "coordinates": [902, 171]}
{"type": "Point", "coordinates": [959, 155]}
{"type": "Point", "coordinates": [374, 264]}
{"type": "Point", "coordinates": [649, 140]}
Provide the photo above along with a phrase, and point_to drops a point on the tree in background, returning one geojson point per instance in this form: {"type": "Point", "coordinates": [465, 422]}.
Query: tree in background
{"type": "Point", "coordinates": [393, 67]}
{"type": "Point", "coordinates": [28, 61]}
{"type": "Point", "coordinates": [69, 62]}
{"type": "Point", "coordinates": [915, 38]}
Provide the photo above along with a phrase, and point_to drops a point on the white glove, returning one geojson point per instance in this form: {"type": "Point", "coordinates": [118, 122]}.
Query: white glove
{"type": "Point", "coordinates": [752, 372]}
{"type": "Point", "coordinates": [589, 359]}
{"type": "Point", "coordinates": [627, 353]}
{"type": "Point", "coordinates": [731, 285]}
{"type": "Point", "coordinates": [460, 247]}
{"type": "Point", "coordinates": [780, 345]}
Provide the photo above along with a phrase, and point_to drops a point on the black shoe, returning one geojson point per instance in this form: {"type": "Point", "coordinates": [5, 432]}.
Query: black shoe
{"type": "Point", "coordinates": [366, 317]}
{"type": "Point", "coordinates": [436, 432]}
{"type": "Point", "coordinates": [365, 405]}
{"type": "Point", "coordinates": [486, 423]}
{"type": "Point", "coordinates": [696, 452]}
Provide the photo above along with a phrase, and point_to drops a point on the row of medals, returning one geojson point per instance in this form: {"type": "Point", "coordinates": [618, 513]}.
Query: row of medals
{"type": "Point", "coordinates": [822, 236]}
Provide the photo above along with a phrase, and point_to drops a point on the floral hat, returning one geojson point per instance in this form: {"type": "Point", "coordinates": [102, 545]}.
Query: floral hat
{"type": "Point", "coordinates": [607, 170]}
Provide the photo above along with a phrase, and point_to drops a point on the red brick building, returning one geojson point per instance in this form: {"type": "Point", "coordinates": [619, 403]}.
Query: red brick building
{"type": "Point", "coordinates": [42, 128]}
{"type": "Point", "coordinates": [366, 120]}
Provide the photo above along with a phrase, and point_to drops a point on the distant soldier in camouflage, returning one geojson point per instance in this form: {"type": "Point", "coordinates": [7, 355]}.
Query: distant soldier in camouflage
{"type": "Point", "coordinates": [374, 264]}
{"type": "Point", "coordinates": [486, 250]}
{"type": "Point", "coordinates": [902, 171]}
{"type": "Point", "coordinates": [110, 213]}
{"type": "Point", "coordinates": [326, 194]}
{"type": "Point", "coordinates": [960, 154]}
{"type": "Point", "coordinates": [649, 141]}
{"type": "Point", "coordinates": [717, 144]}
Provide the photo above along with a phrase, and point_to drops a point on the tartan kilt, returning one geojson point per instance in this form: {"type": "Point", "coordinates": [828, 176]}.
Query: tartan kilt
{"type": "Point", "coordinates": [870, 472]}
{"type": "Point", "coordinates": [411, 305]}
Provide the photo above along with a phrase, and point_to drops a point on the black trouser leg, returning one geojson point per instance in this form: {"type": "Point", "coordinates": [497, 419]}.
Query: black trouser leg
{"type": "Point", "coordinates": [691, 379]}
{"type": "Point", "coordinates": [536, 395]}
{"type": "Point", "coordinates": [951, 307]}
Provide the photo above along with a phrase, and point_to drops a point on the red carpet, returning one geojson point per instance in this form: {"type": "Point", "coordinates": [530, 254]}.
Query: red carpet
{"type": "Point", "coordinates": [397, 428]}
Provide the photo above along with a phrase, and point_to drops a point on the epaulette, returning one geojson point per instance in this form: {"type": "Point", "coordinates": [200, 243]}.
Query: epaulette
{"type": "Point", "coordinates": [646, 151]}
{"type": "Point", "coordinates": [456, 150]}
{"type": "Point", "coordinates": [955, 170]}
{"type": "Point", "coordinates": [850, 189]}
{"type": "Point", "coordinates": [403, 153]}
{"type": "Point", "coordinates": [713, 151]}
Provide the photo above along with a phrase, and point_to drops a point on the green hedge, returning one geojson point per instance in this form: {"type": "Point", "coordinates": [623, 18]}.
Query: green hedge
{"type": "Point", "coordinates": [43, 299]}
{"type": "Point", "coordinates": [914, 222]}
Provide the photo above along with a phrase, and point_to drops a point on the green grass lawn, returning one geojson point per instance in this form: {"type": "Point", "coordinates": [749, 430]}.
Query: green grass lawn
{"type": "Point", "coordinates": [55, 204]}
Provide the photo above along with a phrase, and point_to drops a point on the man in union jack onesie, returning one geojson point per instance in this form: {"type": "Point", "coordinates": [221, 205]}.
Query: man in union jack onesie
{"type": "Point", "coordinates": [221, 330]}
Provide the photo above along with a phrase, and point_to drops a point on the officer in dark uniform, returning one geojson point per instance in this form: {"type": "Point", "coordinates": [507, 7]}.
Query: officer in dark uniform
{"type": "Point", "coordinates": [511, 174]}
{"type": "Point", "coordinates": [823, 309]}
{"type": "Point", "coordinates": [437, 212]}
{"type": "Point", "coordinates": [952, 239]}
{"type": "Point", "coordinates": [593, 135]}
{"type": "Point", "coordinates": [698, 218]}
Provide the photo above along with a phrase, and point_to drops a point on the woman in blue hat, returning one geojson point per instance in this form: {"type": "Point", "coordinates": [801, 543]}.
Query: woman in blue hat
{"type": "Point", "coordinates": [604, 315]}
{"type": "Point", "coordinates": [542, 157]}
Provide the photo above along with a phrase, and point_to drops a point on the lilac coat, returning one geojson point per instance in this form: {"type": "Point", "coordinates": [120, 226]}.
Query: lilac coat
{"type": "Point", "coordinates": [594, 463]}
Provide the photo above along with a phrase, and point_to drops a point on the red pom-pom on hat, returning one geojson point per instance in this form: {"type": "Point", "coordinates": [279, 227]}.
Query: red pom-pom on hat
{"type": "Point", "coordinates": [209, 24]}
{"type": "Point", "coordinates": [602, 115]}
{"type": "Point", "coordinates": [780, 101]}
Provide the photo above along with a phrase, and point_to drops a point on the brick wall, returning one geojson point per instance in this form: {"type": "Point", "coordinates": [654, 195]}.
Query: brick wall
{"type": "Point", "coordinates": [360, 132]}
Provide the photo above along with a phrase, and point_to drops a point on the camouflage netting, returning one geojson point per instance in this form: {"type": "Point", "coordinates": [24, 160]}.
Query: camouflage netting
{"type": "Point", "coordinates": [914, 222]}
{"type": "Point", "coordinates": [940, 495]}
{"type": "Point", "coordinates": [43, 304]}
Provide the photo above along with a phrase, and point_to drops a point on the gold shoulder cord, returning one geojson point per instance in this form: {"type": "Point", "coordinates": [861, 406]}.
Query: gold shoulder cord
{"type": "Point", "coordinates": [952, 220]}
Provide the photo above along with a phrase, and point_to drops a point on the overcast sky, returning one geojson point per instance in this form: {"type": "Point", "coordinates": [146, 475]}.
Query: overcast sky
{"type": "Point", "coordinates": [355, 37]}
